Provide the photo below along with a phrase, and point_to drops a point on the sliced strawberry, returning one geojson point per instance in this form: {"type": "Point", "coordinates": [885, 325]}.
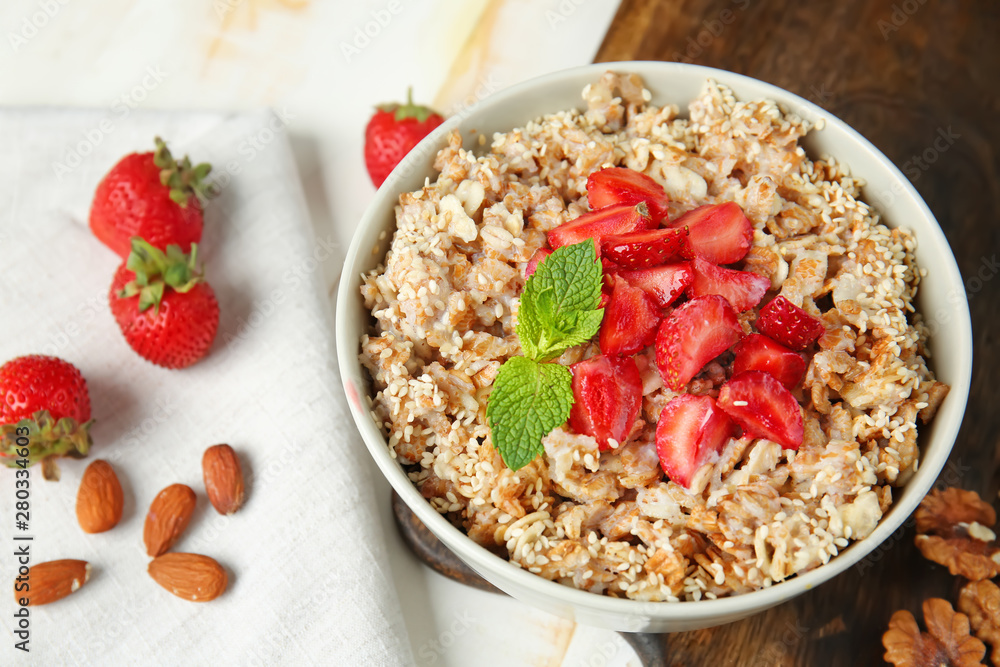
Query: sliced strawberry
{"type": "Point", "coordinates": [619, 185]}
{"type": "Point", "coordinates": [757, 352]}
{"type": "Point", "coordinates": [788, 324]}
{"type": "Point", "coordinates": [598, 224]}
{"type": "Point", "coordinates": [692, 335]}
{"type": "Point", "coordinates": [692, 430]}
{"type": "Point", "coordinates": [630, 320]}
{"type": "Point", "coordinates": [763, 407]}
{"type": "Point", "coordinates": [608, 266]}
{"type": "Point", "coordinates": [608, 393]}
{"type": "Point", "coordinates": [742, 289]}
{"type": "Point", "coordinates": [663, 283]}
{"type": "Point", "coordinates": [647, 248]}
{"type": "Point", "coordinates": [720, 232]}
{"type": "Point", "coordinates": [535, 260]}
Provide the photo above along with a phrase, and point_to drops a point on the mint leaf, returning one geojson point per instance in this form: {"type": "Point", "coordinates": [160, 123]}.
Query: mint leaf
{"type": "Point", "coordinates": [558, 307]}
{"type": "Point", "coordinates": [528, 400]}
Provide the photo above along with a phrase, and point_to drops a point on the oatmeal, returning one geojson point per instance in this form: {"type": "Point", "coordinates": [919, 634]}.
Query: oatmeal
{"type": "Point", "coordinates": [603, 516]}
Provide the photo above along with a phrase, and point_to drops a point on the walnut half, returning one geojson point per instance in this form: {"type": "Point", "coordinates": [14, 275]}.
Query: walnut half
{"type": "Point", "coordinates": [954, 529]}
{"type": "Point", "coordinates": [947, 641]}
{"type": "Point", "coordinates": [980, 601]}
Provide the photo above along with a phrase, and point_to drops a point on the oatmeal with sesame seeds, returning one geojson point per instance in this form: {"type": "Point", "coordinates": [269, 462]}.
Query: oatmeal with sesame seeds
{"type": "Point", "coordinates": [596, 511]}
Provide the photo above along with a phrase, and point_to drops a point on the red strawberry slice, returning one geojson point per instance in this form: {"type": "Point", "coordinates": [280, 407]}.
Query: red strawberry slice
{"type": "Point", "coordinates": [788, 324]}
{"type": "Point", "coordinates": [763, 407]}
{"type": "Point", "coordinates": [535, 260]}
{"type": "Point", "coordinates": [663, 283]}
{"type": "Point", "coordinates": [692, 430]}
{"type": "Point", "coordinates": [720, 232]}
{"type": "Point", "coordinates": [647, 248]}
{"type": "Point", "coordinates": [608, 393]}
{"type": "Point", "coordinates": [757, 352]}
{"type": "Point", "coordinates": [742, 289]}
{"type": "Point", "coordinates": [694, 333]}
{"type": "Point", "coordinates": [598, 224]}
{"type": "Point", "coordinates": [619, 185]}
{"type": "Point", "coordinates": [630, 320]}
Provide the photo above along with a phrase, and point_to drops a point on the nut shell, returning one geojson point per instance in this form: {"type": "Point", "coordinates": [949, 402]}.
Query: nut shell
{"type": "Point", "coordinates": [53, 580]}
{"type": "Point", "coordinates": [169, 515]}
{"type": "Point", "coordinates": [189, 576]}
{"type": "Point", "coordinates": [223, 478]}
{"type": "Point", "coordinates": [99, 500]}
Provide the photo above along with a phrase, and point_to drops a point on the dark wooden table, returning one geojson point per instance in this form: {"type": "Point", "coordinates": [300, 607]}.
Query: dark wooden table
{"type": "Point", "coordinates": [901, 72]}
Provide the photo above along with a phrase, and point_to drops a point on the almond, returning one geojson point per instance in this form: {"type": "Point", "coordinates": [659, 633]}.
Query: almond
{"type": "Point", "coordinates": [99, 500]}
{"type": "Point", "coordinates": [189, 576]}
{"type": "Point", "coordinates": [169, 514]}
{"type": "Point", "coordinates": [51, 581]}
{"type": "Point", "coordinates": [223, 478]}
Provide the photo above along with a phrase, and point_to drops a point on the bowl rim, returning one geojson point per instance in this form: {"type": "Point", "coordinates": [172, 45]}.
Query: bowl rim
{"type": "Point", "coordinates": [480, 558]}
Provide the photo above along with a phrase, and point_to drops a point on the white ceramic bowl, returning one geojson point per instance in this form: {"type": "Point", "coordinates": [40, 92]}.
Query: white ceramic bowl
{"type": "Point", "coordinates": [941, 299]}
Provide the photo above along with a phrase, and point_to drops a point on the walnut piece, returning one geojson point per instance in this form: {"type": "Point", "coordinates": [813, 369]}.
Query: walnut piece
{"type": "Point", "coordinates": [947, 641]}
{"type": "Point", "coordinates": [940, 511]}
{"type": "Point", "coordinates": [953, 529]}
{"type": "Point", "coordinates": [980, 601]}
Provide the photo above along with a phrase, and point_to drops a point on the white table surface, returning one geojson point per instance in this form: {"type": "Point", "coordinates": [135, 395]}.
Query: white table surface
{"type": "Point", "coordinates": [312, 61]}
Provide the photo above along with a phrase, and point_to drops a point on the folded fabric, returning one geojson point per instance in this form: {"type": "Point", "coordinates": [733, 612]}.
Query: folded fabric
{"type": "Point", "coordinates": [309, 581]}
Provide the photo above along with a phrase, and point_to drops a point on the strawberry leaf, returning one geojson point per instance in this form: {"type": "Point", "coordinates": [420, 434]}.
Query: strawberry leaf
{"type": "Point", "coordinates": [150, 296]}
{"type": "Point", "coordinates": [155, 270]}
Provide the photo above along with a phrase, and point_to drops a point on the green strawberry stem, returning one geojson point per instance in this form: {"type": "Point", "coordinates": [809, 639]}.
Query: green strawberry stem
{"type": "Point", "coordinates": [156, 270]}
{"type": "Point", "coordinates": [48, 438]}
{"type": "Point", "coordinates": [185, 181]}
{"type": "Point", "coordinates": [409, 110]}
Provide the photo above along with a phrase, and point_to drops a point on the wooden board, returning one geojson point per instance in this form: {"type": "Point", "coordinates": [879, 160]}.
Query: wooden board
{"type": "Point", "coordinates": [903, 73]}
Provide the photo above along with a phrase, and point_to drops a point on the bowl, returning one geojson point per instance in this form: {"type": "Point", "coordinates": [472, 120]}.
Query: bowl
{"type": "Point", "coordinates": [941, 299]}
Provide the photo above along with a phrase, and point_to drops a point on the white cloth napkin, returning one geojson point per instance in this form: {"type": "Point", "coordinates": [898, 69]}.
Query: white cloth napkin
{"type": "Point", "coordinates": [309, 578]}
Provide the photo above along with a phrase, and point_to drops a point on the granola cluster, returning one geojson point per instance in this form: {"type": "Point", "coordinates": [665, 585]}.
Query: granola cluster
{"type": "Point", "coordinates": [444, 306]}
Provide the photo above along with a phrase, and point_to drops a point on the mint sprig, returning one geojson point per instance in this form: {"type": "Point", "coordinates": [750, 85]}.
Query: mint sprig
{"type": "Point", "coordinates": [559, 305]}
{"type": "Point", "coordinates": [529, 399]}
{"type": "Point", "coordinates": [558, 310]}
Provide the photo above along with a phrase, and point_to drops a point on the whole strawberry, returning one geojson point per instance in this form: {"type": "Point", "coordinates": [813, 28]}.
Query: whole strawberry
{"type": "Point", "coordinates": [165, 309]}
{"type": "Point", "coordinates": [392, 132]}
{"type": "Point", "coordinates": [153, 196]}
{"type": "Point", "coordinates": [45, 407]}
